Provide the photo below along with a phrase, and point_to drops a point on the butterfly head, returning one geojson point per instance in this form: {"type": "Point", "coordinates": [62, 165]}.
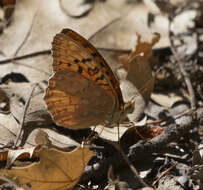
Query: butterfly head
{"type": "Point", "coordinates": [127, 108]}
{"type": "Point", "coordinates": [119, 116]}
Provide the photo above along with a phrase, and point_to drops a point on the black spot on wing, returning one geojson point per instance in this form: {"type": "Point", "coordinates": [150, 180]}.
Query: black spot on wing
{"type": "Point", "coordinates": [93, 71]}
{"type": "Point", "coordinates": [94, 54]}
{"type": "Point", "coordinates": [99, 78]}
{"type": "Point", "coordinates": [86, 60]}
{"type": "Point", "coordinates": [102, 64]}
{"type": "Point", "coordinates": [76, 60]}
{"type": "Point", "coordinates": [79, 69]}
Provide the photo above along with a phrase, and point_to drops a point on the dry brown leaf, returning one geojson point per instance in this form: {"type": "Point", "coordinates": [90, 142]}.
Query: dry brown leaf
{"type": "Point", "coordinates": [41, 139]}
{"type": "Point", "coordinates": [20, 154]}
{"type": "Point", "coordinates": [137, 133]}
{"type": "Point", "coordinates": [13, 155]}
{"type": "Point", "coordinates": [138, 67]}
{"type": "Point", "coordinates": [56, 169]}
{"type": "Point", "coordinates": [136, 80]}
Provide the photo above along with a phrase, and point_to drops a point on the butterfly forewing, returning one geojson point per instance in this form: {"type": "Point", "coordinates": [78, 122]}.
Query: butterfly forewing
{"type": "Point", "coordinates": [73, 52]}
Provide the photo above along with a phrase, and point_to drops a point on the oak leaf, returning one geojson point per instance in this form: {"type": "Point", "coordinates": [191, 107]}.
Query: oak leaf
{"type": "Point", "coordinates": [55, 170]}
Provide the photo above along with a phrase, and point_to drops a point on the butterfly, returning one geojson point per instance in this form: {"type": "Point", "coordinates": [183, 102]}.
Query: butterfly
{"type": "Point", "coordinates": [83, 90]}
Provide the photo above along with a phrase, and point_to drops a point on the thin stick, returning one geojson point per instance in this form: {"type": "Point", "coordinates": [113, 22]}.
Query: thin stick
{"type": "Point", "coordinates": [48, 52]}
{"type": "Point", "coordinates": [163, 173]}
{"type": "Point", "coordinates": [183, 71]}
{"type": "Point", "coordinates": [187, 79]}
{"type": "Point", "coordinates": [163, 122]}
{"type": "Point", "coordinates": [24, 114]}
{"type": "Point", "coordinates": [133, 169]}
{"type": "Point", "coordinates": [38, 53]}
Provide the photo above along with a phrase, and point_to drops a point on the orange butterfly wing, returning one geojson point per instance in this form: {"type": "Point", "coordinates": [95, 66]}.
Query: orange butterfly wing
{"type": "Point", "coordinates": [83, 91]}
{"type": "Point", "coordinates": [73, 52]}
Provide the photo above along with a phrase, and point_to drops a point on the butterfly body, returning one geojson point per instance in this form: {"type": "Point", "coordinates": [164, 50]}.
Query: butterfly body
{"type": "Point", "coordinates": [83, 90]}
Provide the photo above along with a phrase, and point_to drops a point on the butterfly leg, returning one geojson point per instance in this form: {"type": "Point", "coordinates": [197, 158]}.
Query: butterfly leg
{"type": "Point", "coordinates": [118, 133]}
{"type": "Point", "coordinates": [92, 135]}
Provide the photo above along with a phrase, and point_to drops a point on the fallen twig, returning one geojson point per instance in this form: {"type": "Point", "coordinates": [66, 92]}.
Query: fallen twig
{"type": "Point", "coordinates": [38, 53]}
{"type": "Point", "coordinates": [163, 173]}
{"type": "Point", "coordinates": [24, 114]}
{"type": "Point", "coordinates": [183, 71]}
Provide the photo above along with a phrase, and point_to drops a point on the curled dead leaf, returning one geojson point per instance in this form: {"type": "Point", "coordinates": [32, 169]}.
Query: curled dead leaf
{"type": "Point", "coordinates": [138, 66]}
{"type": "Point", "coordinates": [55, 170]}
{"type": "Point", "coordinates": [136, 133]}
{"type": "Point", "coordinates": [21, 154]}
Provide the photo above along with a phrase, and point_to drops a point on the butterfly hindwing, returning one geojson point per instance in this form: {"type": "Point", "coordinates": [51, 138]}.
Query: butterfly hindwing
{"type": "Point", "coordinates": [77, 103]}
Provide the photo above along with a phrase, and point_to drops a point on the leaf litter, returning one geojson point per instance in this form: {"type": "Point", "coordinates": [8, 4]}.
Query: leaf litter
{"type": "Point", "coordinates": [169, 111]}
